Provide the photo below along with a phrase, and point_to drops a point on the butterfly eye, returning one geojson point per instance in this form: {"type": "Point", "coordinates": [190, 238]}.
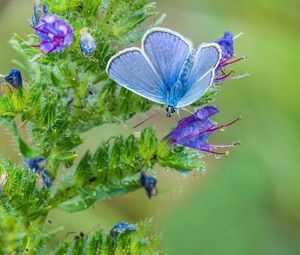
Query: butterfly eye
{"type": "Point", "coordinates": [170, 110]}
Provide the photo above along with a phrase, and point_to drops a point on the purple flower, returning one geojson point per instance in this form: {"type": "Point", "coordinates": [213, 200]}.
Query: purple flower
{"type": "Point", "coordinates": [194, 130]}
{"type": "Point", "coordinates": [149, 184]}
{"type": "Point", "coordinates": [87, 42]}
{"type": "Point", "coordinates": [54, 33]}
{"type": "Point", "coordinates": [226, 43]}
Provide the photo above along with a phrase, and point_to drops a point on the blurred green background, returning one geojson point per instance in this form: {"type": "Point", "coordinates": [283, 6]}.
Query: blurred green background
{"type": "Point", "coordinates": [248, 203]}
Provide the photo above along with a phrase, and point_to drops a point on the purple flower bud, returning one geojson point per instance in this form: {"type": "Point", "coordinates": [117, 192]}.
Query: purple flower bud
{"type": "Point", "coordinates": [194, 130]}
{"type": "Point", "coordinates": [14, 78]}
{"type": "Point", "coordinates": [54, 33]}
{"type": "Point", "coordinates": [226, 43]}
{"type": "Point", "coordinates": [87, 42]}
{"type": "Point", "coordinates": [149, 184]}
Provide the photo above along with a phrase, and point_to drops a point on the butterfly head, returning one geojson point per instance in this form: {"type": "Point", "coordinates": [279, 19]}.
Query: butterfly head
{"type": "Point", "coordinates": [170, 110]}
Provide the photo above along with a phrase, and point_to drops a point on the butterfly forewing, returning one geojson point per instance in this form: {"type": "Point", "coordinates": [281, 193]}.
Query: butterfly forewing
{"type": "Point", "coordinates": [202, 73]}
{"type": "Point", "coordinates": [132, 70]}
{"type": "Point", "coordinates": [167, 52]}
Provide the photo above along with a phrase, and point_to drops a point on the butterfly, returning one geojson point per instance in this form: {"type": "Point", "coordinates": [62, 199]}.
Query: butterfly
{"type": "Point", "coordinates": [166, 70]}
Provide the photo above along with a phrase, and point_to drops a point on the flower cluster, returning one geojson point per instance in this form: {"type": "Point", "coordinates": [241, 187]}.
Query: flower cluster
{"type": "Point", "coordinates": [54, 33]}
{"type": "Point", "coordinates": [194, 130]}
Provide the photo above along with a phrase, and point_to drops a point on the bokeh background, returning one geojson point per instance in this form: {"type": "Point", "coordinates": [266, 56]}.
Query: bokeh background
{"type": "Point", "coordinates": [248, 203]}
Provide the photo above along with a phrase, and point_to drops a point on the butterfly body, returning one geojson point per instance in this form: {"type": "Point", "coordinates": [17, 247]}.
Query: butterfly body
{"type": "Point", "coordinates": [167, 70]}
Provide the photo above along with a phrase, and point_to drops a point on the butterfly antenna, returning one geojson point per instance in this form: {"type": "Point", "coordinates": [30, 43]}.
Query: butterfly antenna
{"type": "Point", "coordinates": [149, 118]}
{"type": "Point", "coordinates": [187, 110]}
{"type": "Point", "coordinates": [238, 35]}
{"type": "Point", "coordinates": [240, 76]}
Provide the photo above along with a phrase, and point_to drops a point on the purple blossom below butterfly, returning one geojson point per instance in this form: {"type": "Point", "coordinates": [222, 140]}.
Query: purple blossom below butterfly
{"type": "Point", "coordinates": [54, 33]}
{"type": "Point", "coordinates": [194, 130]}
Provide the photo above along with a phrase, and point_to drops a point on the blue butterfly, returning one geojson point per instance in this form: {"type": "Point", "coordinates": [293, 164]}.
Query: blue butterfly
{"type": "Point", "coordinates": [167, 70]}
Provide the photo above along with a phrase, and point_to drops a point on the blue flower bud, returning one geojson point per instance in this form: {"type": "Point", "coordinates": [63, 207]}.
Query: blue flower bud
{"type": "Point", "coordinates": [14, 78]}
{"type": "Point", "coordinates": [35, 164]}
{"type": "Point", "coordinates": [121, 228]}
{"type": "Point", "coordinates": [87, 42]}
{"type": "Point", "coordinates": [149, 183]}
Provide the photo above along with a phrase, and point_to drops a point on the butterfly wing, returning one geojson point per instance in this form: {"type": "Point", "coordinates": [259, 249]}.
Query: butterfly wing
{"type": "Point", "coordinates": [167, 51]}
{"type": "Point", "coordinates": [202, 74]}
{"type": "Point", "coordinates": [131, 69]}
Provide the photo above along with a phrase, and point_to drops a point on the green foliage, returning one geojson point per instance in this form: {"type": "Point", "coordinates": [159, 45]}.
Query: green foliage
{"type": "Point", "coordinates": [21, 193]}
{"type": "Point", "coordinates": [208, 97]}
{"type": "Point", "coordinates": [114, 169]}
{"type": "Point", "coordinates": [12, 233]}
{"type": "Point", "coordinates": [99, 242]}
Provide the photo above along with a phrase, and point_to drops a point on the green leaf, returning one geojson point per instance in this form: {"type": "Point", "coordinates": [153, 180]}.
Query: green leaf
{"type": "Point", "coordinates": [87, 198]}
{"type": "Point", "coordinates": [25, 149]}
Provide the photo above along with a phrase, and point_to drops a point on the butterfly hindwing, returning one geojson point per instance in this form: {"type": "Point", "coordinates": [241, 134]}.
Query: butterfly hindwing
{"type": "Point", "coordinates": [167, 51]}
{"type": "Point", "coordinates": [131, 69]}
{"type": "Point", "coordinates": [202, 73]}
